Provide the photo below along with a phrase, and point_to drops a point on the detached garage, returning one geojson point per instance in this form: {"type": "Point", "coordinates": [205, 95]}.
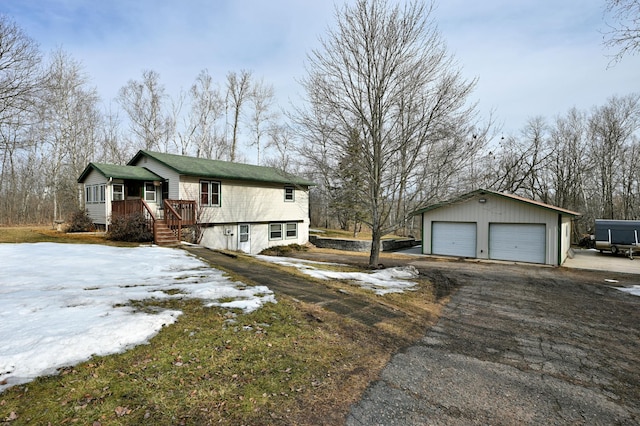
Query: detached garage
{"type": "Point", "coordinates": [486, 224]}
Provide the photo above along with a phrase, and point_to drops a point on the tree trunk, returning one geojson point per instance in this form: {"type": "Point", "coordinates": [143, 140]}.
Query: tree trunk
{"type": "Point", "coordinates": [374, 256]}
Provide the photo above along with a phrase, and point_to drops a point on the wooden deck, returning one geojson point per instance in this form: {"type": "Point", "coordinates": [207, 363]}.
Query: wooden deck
{"type": "Point", "coordinates": [177, 214]}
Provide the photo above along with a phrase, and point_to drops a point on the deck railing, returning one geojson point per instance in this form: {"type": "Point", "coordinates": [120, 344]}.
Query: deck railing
{"type": "Point", "coordinates": [185, 208]}
{"type": "Point", "coordinates": [177, 213]}
{"type": "Point", "coordinates": [137, 205]}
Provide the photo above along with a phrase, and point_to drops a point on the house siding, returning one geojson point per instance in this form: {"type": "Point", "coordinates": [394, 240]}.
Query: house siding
{"type": "Point", "coordinates": [248, 202]}
{"type": "Point", "coordinates": [498, 209]}
{"type": "Point", "coordinates": [225, 236]}
{"type": "Point", "coordinates": [98, 212]}
{"type": "Point", "coordinates": [167, 173]}
{"type": "Point", "coordinates": [255, 204]}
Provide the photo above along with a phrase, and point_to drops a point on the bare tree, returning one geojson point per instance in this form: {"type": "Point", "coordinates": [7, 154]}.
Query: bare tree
{"type": "Point", "coordinates": [20, 79]}
{"type": "Point", "coordinates": [570, 164]}
{"type": "Point", "coordinates": [143, 101]}
{"type": "Point", "coordinates": [69, 128]}
{"type": "Point", "coordinates": [384, 71]}
{"type": "Point", "coordinates": [113, 145]}
{"type": "Point", "coordinates": [611, 128]}
{"type": "Point", "coordinates": [624, 32]}
{"type": "Point", "coordinates": [206, 110]}
{"type": "Point", "coordinates": [282, 140]}
{"type": "Point", "coordinates": [238, 90]}
{"type": "Point", "coordinates": [261, 100]}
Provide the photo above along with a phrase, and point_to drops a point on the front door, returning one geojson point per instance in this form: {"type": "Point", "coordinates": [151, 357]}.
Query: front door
{"type": "Point", "coordinates": [244, 237]}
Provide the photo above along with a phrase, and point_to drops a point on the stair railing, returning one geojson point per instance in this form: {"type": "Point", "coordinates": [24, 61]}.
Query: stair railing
{"type": "Point", "coordinates": [148, 212]}
{"type": "Point", "coordinates": [173, 219]}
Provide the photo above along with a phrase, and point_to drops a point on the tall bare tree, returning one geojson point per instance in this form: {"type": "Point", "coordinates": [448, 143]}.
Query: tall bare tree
{"type": "Point", "coordinates": [238, 91]}
{"type": "Point", "coordinates": [69, 129]}
{"type": "Point", "coordinates": [20, 79]}
{"type": "Point", "coordinates": [144, 103]}
{"type": "Point", "coordinates": [261, 116]}
{"type": "Point", "coordinates": [624, 31]}
{"type": "Point", "coordinates": [385, 72]}
{"type": "Point", "coordinates": [611, 128]}
{"type": "Point", "coordinates": [206, 109]}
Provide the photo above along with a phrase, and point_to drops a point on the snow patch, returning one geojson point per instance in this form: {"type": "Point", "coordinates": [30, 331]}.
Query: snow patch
{"type": "Point", "coordinates": [62, 303]}
{"type": "Point", "coordinates": [382, 281]}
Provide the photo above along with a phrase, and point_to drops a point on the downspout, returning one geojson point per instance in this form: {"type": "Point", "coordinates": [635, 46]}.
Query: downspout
{"type": "Point", "coordinates": [422, 226]}
{"type": "Point", "coordinates": [107, 203]}
{"type": "Point", "coordinates": [560, 239]}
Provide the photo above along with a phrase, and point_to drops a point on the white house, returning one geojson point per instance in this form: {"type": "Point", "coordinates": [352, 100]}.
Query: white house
{"type": "Point", "coordinates": [236, 206]}
{"type": "Point", "coordinates": [485, 224]}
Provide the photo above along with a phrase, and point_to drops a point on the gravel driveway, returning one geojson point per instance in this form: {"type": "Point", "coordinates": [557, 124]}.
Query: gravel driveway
{"type": "Point", "coordinates": [517, 345]}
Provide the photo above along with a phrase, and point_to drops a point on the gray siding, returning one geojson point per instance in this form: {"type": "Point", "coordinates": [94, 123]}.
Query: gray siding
{"type": "Point", "coordinates": [98, 212]}
{"type": "Point", "coordinates": [497, 209]}
{"type": "Point", "coordinates": [167, 173]}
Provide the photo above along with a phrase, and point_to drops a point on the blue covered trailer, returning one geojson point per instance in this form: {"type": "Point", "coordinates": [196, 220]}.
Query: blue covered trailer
{"type": "Point", "coordinates": [617, 235]}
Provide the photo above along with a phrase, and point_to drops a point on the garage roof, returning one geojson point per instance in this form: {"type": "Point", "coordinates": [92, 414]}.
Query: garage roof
{"type": "Point", "coordinates": [479, 192]}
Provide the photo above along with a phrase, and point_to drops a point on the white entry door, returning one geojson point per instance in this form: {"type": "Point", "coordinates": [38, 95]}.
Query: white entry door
{"type": "Point", "coordinates": [244, 237]}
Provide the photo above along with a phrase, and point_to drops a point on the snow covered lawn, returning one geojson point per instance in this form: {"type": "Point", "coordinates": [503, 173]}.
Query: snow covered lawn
{"type": "Point", "coordinates": [62, 303]}
{"type": "Point", "coordinates": [383, 281]}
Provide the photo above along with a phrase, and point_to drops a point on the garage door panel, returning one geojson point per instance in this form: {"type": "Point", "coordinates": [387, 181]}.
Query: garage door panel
{"type": "Point", "coordinates": [517, 242]}
{"type": "Point", "coordinates": [453, 238]}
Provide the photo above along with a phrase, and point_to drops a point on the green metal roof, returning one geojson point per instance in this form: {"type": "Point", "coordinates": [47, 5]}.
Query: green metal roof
{"type": "Point", "coordinates": [218, 169]}
{"type": "Point", "coordinates": [514, 197]}
{"type": "Point", "coordinates": [120, 172]}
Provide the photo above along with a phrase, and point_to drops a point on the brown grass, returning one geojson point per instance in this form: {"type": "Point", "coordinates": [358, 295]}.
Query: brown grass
{"type": "Point", "coordinates": [287, 363]}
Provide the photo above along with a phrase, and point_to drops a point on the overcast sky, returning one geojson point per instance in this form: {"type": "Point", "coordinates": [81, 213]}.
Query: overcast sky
{"type": "Point", "coordinates": [532, 57]}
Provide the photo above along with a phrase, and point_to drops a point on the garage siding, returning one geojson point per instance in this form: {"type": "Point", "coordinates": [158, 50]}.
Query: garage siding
{"type": "Point", "coordinates": [454, 239]}
{"type": "Point", "coordinates": [494, 209]}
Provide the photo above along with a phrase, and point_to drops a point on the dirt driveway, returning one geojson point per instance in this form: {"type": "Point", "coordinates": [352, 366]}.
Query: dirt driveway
{"type": "Point", "coordinates": [517, 345]}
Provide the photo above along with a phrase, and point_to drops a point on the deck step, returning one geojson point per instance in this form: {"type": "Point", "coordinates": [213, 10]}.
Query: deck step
{"type": "Point", "coordinates": [164, 235]}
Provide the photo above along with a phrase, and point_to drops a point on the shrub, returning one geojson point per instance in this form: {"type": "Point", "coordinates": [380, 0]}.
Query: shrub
{"type": "Point", "coordinates": [79, 221]}
{"type": "Point", "coordinates": [283, 250]}
{"type": "Point", "coordinates": [132, 228]}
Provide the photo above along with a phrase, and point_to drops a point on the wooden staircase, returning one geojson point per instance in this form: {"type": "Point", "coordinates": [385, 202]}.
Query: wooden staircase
{"type": "Point", "coordinates": [164, 236]}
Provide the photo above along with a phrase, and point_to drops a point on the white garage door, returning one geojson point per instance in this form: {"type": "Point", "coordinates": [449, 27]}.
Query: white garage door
{"type": "Point", "coordinates": [517, 242]}
{"type": "Point", "coordinates": [453, 239]}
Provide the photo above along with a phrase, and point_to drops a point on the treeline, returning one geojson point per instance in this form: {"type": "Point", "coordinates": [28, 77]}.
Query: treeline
{"type": "Point", "coordinates": [587, 161]}
{"type": "Point", "coordinates": [53, 122]}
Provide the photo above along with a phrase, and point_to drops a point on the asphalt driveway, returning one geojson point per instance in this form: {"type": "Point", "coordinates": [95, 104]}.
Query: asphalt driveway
{"type": "Point", "coordinates": [517, 345]}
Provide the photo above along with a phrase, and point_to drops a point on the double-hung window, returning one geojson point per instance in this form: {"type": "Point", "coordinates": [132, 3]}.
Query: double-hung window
{"type": "Point", "coordinates": [118, 192]}
{"type": "Point", "coordinates": [275, 231]}
{"type": "Point", "coordinates": [278, 231]}
{"type": "Point", "coordinates": [149, 192]}
{"type": "Point", "coordinates": [292, 230]}
{"type": "Point", "coordinates": [289, 193]}
{"type": "Point", "coordinates": [209, 193]}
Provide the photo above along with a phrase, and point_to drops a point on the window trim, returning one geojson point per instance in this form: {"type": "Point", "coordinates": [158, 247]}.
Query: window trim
{"type": "Point", "coordinates": [95, 194]}
{"type": "Point", "coordinates": [295, 230]}
{"type": "Point", "coordinates": [146, 192]}
{"type": "Point", "coordinates": [210, 184]}
{"type": "Point", "coordinates": [114, 192]}
{"type": "Point", "coordinates": [271, 231]}
{"type": "Point", "coordinates": [289, 198]}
